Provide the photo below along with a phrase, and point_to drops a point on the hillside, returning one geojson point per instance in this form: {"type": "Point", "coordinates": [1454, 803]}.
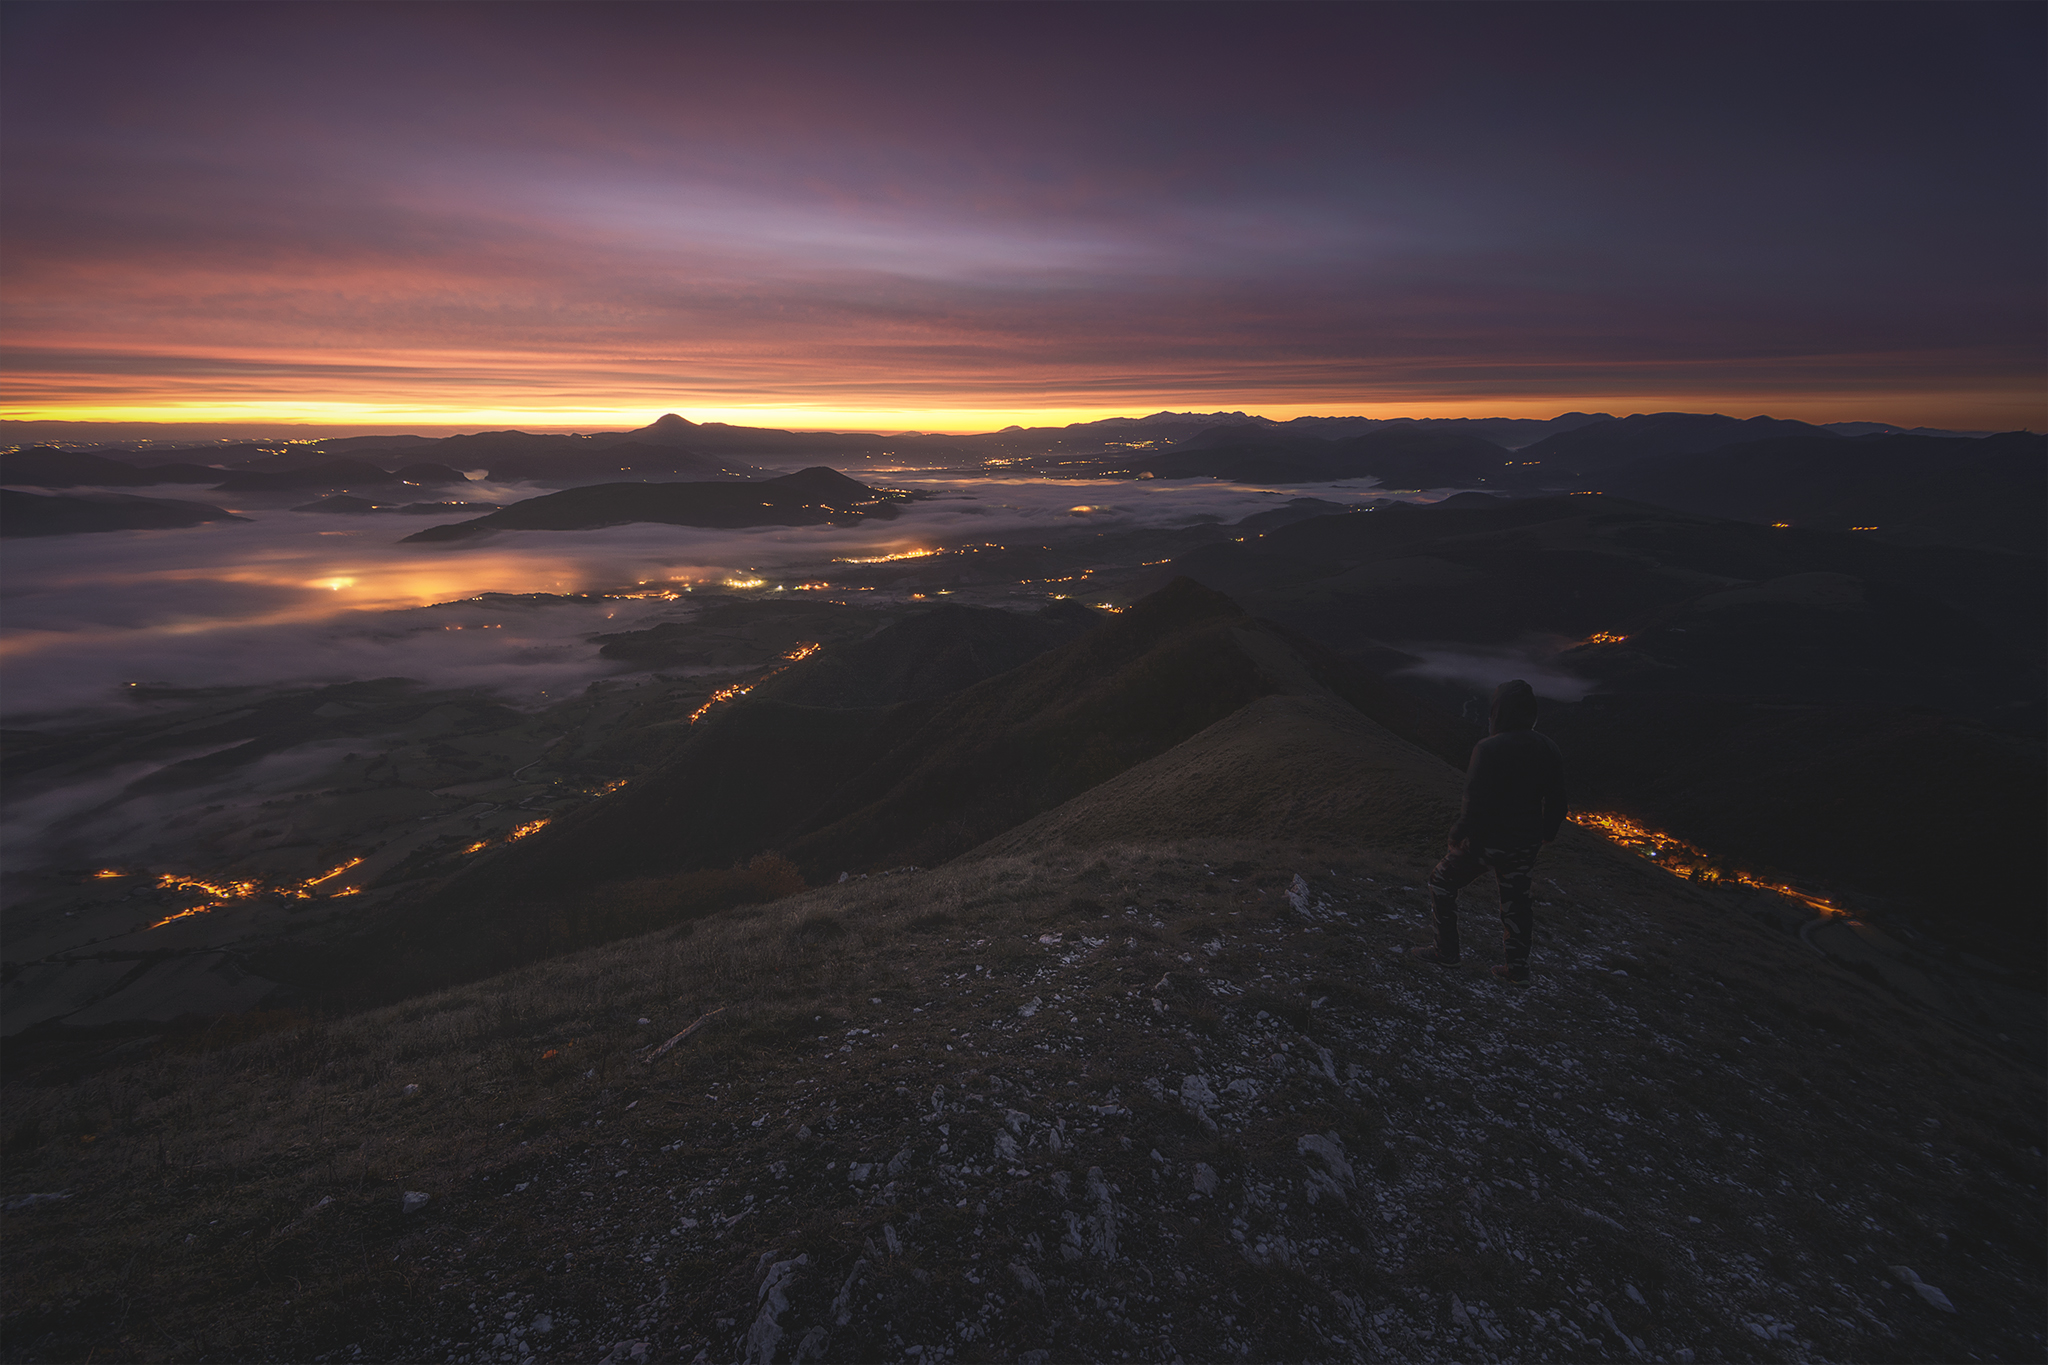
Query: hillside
{"type": "Point", "coordinates": [32, 514]}
{"type": "Point", "coordinates": [1762, 665]}
{"type": "Point", "coordinates": [1142, 1080]}
{"type": "Point", "coordinates": [1987, 492]}
{"type": "Point", "coordinates": [338, 473]}
{"type": "Point", "coordinates": [608, 461]}
{"type": "Point", "coordinates": [1602, 446]}
{"type": "Point", "coordinates": [807, 498]}
{"type": "Point", "coordinates": [806, 771]}
{"type": "Point", "coordinates": [1399, 455]}
{"type": "Point", "coordinates": [50, 467]}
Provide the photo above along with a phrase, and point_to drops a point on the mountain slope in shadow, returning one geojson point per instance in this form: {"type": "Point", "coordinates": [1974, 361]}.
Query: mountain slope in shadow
{"type": "Point", "coordinates": [916, 781]}
{"type": "Point", "coordinates": [1985, 491]}
{"type": "Point", "coordinates": [32, 514]}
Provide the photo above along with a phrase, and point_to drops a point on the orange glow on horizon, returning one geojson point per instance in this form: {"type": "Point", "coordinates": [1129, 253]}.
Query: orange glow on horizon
{"type": "Point", "coordinates": [1971, 409]}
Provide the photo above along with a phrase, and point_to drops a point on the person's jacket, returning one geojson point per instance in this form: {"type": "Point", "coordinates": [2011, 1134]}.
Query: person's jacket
{"type": "Point", "coordinates": [1514, 785]}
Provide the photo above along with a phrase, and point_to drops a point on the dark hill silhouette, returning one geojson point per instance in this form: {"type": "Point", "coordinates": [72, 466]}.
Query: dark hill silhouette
{"type": "Point", "coordinates": [1576, 565]}
{"type": "Point", "coordinates": [1404, 455]}
{"type": "Point", "coordinates": [50, 467]}
{"type": "Point", "coordinates": [1986, 491]}
{"type": "Point", "coordinates": [809, 497]}
{"type": "Point", "coordinates": [429, 474]}
{"type": "Point", "coordinates": [1239, 435]}
{"type": "Point", "coordinates": [32, 514]}
{"type": "Point", "coordinates": [930, 655]}
{"type": "Point", "coordinates": [349, 444]}
{"type": "Point", "coordinates": [1608, 445]}
{"type": "Point", "coordinates": [343, 473]}
{"type": "Point", "coordinates": [607, 461]}
{"type": "Point", "coordinates": [1878, 658]}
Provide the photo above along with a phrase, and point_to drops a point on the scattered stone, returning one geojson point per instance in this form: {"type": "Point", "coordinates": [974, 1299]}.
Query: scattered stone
{"type": "Point", "coordinates": [1205, 1178]}
{"type": "Point", "coordinates": [410, 1091]}
{"type": "Point", "coordinates": [413, 1202]}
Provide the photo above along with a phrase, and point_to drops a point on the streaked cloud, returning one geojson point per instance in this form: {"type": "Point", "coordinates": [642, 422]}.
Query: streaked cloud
{"type": "Point", "coordinates": [554, 211]}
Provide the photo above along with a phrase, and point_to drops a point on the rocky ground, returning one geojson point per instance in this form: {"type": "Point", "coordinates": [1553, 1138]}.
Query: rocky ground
{"type": "Point", "coordinates": [1144, 1100]}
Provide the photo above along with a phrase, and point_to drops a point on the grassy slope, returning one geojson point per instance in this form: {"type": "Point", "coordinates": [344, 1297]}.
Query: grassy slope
{"type": "Point", "coordinates": [963, 1110]}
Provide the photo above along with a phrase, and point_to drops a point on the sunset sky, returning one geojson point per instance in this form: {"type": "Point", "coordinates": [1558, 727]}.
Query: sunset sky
{"type": "Point", "coordinates": [955, 217]}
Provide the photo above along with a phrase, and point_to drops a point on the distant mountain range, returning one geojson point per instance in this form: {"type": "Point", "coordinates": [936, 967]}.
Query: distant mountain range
{"type": "Point", "coordinates": [568, 456]}
{"type": "Point", "coordinates": [1925, 486]}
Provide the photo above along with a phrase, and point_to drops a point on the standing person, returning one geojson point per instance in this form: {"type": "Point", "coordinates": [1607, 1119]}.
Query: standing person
{"type": "Point", "coordinates": [1514, 803]}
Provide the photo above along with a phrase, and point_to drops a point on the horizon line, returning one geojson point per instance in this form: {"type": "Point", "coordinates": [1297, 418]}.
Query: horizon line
{"type": "Point", "coordinates": [878, 423]}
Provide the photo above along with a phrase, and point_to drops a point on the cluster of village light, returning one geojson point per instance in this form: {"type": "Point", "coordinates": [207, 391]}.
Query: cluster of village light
{"type": "Point", "coordinates": [1682, 859]}
{"type": "Point", "coordinates": [240, 889]}
{"type": "Point", "coordinates": [890, 558]}
{"type": "Point", "coordinates": [794, 657]}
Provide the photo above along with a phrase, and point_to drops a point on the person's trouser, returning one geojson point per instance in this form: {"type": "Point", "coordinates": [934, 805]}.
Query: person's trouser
{"type": "Point", "coordinates": [1511, 868]}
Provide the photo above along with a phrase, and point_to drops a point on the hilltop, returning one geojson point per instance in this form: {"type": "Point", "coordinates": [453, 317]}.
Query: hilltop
{"type": "Point", "coordinates": [1140, 1076]}
{"type": "Point", "coordinates": [807, 498]}
{"type": "Point", "coordinates": [32, 514]}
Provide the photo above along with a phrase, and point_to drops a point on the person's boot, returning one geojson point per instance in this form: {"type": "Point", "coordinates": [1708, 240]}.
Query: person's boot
{"type": "Point", "coordinates": [1435, 955]}
{"type": "Point", "coordinates": [1512, 973]}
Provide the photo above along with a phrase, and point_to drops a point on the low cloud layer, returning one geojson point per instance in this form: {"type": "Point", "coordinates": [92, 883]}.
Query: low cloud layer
{"type": "Point", "coordinates": [302, 597]}
{"type": "Point", "coordinates": [1482, 669]}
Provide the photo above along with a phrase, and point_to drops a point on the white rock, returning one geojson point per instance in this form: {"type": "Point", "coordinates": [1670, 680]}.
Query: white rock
{"type": "Point", "coordinates": [1205, 1178]}
{"type": "Point", "coordinates": [410, 1091]}
{"type": "Point", "coordinates": [413, 1202]}
{"type": "Point", "coordinates": [766, 1333]}
{"type": "Point", "coordinates": [1329, 1151]}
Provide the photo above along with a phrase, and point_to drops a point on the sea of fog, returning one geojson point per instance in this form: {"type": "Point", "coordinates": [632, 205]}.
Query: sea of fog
{"type": "Point", "coordinates": [298, 597]}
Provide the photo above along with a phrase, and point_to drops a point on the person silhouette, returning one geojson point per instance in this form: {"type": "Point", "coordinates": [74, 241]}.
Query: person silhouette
{"type": "Point", "coordinates": [1514, 804]}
